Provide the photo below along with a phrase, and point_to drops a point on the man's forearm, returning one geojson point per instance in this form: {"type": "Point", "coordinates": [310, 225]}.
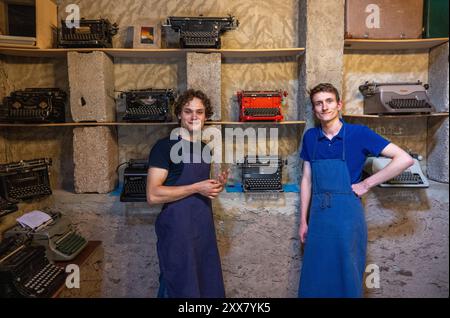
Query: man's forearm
{"type": "Point", "coordinates": [164, 194]}
{"type": "Point", "coordinates": [393, 169]}
{"type": "Point", "coordinates": [305, 198]}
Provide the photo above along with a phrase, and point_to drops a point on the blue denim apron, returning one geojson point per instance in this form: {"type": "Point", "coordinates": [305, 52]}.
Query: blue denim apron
{"type": "Point", "coordinates": [335, 250]}
{"type": "Point", "coordinates": [187, 248]}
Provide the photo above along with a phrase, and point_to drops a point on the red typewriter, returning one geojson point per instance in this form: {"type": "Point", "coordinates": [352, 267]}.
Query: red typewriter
{"type": "Point", "coordinates": [261, 105]}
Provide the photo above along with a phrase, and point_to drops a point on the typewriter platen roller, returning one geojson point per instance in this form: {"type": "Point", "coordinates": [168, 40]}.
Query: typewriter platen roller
{"type": "Point", "coordinates": [395, 98]}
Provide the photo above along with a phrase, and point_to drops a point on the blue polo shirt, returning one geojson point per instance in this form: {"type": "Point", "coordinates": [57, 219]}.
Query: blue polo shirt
{"type": "Point", "coordinates": [360, 141]}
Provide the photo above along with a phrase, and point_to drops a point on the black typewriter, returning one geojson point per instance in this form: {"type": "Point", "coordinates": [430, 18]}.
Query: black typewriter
{"type": "Point", "coordinates": [45, 105]}
{"type": "Point", "coordinates": [90, 34]}
{"type": "Point", "coordinates": [135, 181]}
{"type": "Point", "coordinates": [262, 174]}
{"type": "Point", "coordinates": [6, 207]}
{"type": "Point", "coordinates": [25, 179]}
{"type": "Point", "coordinates": [395, 98]}
{"type": "Point", "coordinates": [25, 270]}
{"type": "Point", "coordinates": [201, 32]}
{"type": "Point", "coordinates": [148, 104]}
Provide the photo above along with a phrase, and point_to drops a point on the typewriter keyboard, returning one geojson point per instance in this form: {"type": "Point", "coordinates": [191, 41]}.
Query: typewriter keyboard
{"type": "Point", "coordinates": [135, 187]}
{"type": "Point", "coordinates": [273, 111]}
{"type": "Point", "coordinates": [46, 281]}
{"type": "Point", "coordinates": [409, 103]}
{"type": "Point", "coordinates": [262, 184]}
{"type": "Point", "coordinates": [146, 110]}
{"type": "Point", "coordinates": [71, 243]}
{"type": "Point", "coordinates": [406, 178]}
{"type": "Point", "coordinates": [23, 113]}
{"type": "Point", "coordinates": [200, 38]}
{"type": "Point", "coordinates": [29, 191]}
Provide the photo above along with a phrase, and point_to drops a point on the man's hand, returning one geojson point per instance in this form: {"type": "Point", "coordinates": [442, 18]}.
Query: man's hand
{"type": "Point", "coordinates": [360, 188]}
{"type": "Point", "coordinates": [209, 188]}
{"type": "Point", "coordinates": [303, 232]}
{"type": "Point", "coordinates": [223, 177]}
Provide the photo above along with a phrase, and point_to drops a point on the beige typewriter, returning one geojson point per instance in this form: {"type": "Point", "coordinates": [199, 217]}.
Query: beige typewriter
{"type": "Point", "coordinates": [59, 237]}
{"type": "Point", "coordinates": [412, 177]}
{"type": "Point", "coordinates": [395, 98]}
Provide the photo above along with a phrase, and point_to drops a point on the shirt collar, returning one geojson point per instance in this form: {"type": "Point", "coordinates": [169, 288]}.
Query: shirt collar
{"type": "Point", "coordinates": [338, 136]}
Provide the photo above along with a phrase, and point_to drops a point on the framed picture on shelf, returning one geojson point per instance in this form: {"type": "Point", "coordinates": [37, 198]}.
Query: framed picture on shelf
{"type": "Point", "coordinates": [146, 36]}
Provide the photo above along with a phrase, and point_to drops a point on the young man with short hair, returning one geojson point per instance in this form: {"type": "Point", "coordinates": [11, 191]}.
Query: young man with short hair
{"type": "Point", "coordinates": [335, 233]}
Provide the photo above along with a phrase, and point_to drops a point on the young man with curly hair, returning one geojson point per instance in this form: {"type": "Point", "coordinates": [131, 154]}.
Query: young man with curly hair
{"type": "Point", "coordinates": [187, 248]}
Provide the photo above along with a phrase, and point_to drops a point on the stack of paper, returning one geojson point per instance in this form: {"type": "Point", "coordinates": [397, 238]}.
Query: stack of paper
{"type": "Point", "coordinates": [34, 219]}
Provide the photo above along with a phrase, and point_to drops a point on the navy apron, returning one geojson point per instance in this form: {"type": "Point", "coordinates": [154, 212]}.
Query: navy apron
{"type": "Point", "coordinates": [335, 250]}
{"type": "Point", "coordinates": [187, 248]}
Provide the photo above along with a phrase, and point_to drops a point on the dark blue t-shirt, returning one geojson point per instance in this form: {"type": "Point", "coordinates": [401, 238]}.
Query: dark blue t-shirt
{"type": "Point", "coordinates": [160, 157]}
{"type": "Point", "coordinates": [360, 141]}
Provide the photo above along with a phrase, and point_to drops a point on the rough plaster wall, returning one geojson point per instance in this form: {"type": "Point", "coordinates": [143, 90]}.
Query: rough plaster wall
{"type": "Point", "coordinates": [324, 47]}
{"type": "Point", "coordinates": [261, 21]}
{"type": "Point", "coordinates": [379, 67]}
{"type": "Point", "coordinates": [204, 73]}
{"type": "Point", "coordinates": [438, 135]}
{"type": "Point", "coordinates": [408, 241]}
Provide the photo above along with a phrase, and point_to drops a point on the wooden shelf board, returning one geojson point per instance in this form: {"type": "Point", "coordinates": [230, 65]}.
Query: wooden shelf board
{"type": "Point", "coordinates": [406, 44]}
{"type": "Point", "coordinates": [84, 124]}
{"type": "Point", "coordinates": [443, 114]}
{"type": "Point", "coordinates": [153, 53]}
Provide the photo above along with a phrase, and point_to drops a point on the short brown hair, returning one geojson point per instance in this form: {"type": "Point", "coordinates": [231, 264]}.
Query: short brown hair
{"type": "Point", "coordinates": [189, 95]}
{"type": "Point", "coordinates": [323, 87]}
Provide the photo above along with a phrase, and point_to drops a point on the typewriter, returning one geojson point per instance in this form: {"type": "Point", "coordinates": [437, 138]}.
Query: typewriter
{"type": "Point", "coordinates": [90, 34]}
{"type": "Point", "coordinates": [261, 105]}
{"type": "Point", "coordinates": [25, 271]}
{"type": "Point", "coordinates": [25, 179]}
{"type": "Point", "coordinates": [148, 104]}
{"type": "Point", "coordinates": [412, 177]}
{"type": "Point", "coordinates": [135, 181]}
{"type": "Point", "coordinates": [60, 238]}
{"type": "Point", "coordinates": [201, 32]}
{"type": "Point", "coordinates": [262, 174]}
{"type": "Point", "coordinates": [6, 207]}
{"type": "Point", "coordinates": [34, 105]}
{"type": "Point", "coordinates": [395, 98]}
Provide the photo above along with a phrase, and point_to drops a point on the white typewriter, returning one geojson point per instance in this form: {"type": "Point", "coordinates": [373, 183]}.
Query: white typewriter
{"type": "Point", "coordinates": [395, 98]}
{"type": "Point", "coordinates": [412, 177]}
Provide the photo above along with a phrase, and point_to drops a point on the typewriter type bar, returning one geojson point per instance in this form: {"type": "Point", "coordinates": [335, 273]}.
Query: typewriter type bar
{"type": "Point", "coordinates": [148, 105]}
{"type": "Point", "coordinates": [45, 105]}
{"type": "Point", "coordinates": [201, 32]}
{"type": "Point", "coordinates": [135, 181]}
{"type": "Point", "coordinates": [25, 271]}
{"type": "Point", "coordinates": [59, 237]}
{"type": "Point", "coordinates": [262, 174]}
{"type": "Point", "coordinates": [90, 34]}
{"type": "Point", "coordinates": [25, 179]}
{"type": "Point", "coordinates": [395, 98]}
{"type": "Point", "coordinates": [261, 105]}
